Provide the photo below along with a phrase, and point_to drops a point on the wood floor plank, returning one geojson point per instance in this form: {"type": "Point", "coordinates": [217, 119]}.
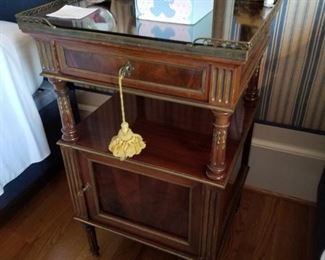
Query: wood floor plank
{"type": "Point", "coordinates": [148, 253]}
{"type": "Point", "coordinates": [265, 227]}
{"type": "Point", "coordinates": [244, 232]}
{"type": "Point", "coordinates": [268, 227]}
{"type": "Point", "coordinates": [290, 231]}
{"type": "Point", "coordinates": [310, 241]}
{"type": "Point", "coordinates": [12, 246]}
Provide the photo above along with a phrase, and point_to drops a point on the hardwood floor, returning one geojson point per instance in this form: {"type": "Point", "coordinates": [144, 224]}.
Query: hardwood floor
{"type": "Point", "coordinates": [265, 227]}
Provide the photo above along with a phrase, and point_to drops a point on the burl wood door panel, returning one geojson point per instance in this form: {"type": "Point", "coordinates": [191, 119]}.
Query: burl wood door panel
{"type": "Point", "coordinates": [155, 73]}
{"type": "Point", "coordinates": [146, 204]}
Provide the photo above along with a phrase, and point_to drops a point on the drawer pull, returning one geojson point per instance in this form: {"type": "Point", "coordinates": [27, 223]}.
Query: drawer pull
{"type": "Point", "coordinates": [126, 70]}
{"type": "Point", "coordinates": [84, 189]}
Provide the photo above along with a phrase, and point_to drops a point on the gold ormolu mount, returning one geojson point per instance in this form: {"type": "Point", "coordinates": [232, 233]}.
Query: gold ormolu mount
{"type": "Point", "coordinates": [125, 144]}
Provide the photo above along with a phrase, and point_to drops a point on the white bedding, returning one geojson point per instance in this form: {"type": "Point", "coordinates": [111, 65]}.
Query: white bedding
{"type": "Point", "coordinates": [22, 137]}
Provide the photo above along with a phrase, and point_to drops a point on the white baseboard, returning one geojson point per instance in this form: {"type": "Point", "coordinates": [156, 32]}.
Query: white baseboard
{"type": "Point", "coordinates": [289, 141]}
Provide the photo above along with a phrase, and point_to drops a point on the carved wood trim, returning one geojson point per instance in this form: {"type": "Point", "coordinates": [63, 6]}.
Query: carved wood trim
{"type": "Point", "coordinates": [210, 224]}
{"type": "Point", "coordinates": [70, 159]}
{"type": "Point", "coordinates": [46, 50]}
{"type": "Point", "coordinates": [222, 86]}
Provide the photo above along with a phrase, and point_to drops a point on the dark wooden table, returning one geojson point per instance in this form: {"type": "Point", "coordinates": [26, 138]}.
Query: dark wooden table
{"type": "Point", "coordinates": [192, 100]}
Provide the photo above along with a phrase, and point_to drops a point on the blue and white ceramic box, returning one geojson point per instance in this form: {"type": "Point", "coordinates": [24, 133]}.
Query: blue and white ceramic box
{"type": "Point", "coordinates": [173, 11]}
{"type": "Point", "coordinates": [176, 32]}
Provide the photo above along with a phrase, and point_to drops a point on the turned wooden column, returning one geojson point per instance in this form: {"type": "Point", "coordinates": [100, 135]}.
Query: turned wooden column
{"type": "Point", "coordinates": [92, 239]}
{"type": "Point", "coordinates": [69, 132]}
{"type": "Point", "coordinates": [217, 164]}
{"type": "Point", "coordinates": [251, 94]}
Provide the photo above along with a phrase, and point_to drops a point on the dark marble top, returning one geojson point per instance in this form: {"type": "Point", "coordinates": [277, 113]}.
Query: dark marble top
{"type": "Point", "coordinates": [232, 24]}
{"type": "Point", "coordinates": [228, 20]}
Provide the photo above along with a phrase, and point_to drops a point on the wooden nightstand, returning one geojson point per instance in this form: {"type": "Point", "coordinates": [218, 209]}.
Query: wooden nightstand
{"type": "Point", "coordinates": [194, 105]}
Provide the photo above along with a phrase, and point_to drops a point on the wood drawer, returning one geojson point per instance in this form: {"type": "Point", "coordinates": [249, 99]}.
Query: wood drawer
{"type": "Point", "coordinates": [177, 76]}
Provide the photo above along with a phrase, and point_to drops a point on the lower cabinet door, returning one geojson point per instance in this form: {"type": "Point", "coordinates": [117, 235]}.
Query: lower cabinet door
{"type": "Point", "coordinates": [143, 203]}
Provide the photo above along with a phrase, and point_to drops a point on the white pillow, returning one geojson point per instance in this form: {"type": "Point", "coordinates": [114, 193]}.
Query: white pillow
{"type": "Point", "coordinates": [13, 40]}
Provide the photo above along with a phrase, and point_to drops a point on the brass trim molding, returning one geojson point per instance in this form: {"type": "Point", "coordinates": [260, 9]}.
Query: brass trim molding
{"type": "Point", "coordinates": [239, 45]}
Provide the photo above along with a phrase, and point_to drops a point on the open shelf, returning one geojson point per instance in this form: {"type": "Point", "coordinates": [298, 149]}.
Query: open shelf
{"type": "Point", "coordinates": [178, 137]}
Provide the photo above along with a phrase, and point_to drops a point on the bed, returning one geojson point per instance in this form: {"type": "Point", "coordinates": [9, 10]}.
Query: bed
{"type": "Point", "coordinates": [29, 117]}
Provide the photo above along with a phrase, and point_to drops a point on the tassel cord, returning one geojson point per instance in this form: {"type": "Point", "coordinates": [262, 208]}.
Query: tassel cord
{"type": "Point", "coordinates": [125, 144]}
{"type": "Point", "coordinates": [120, 78]}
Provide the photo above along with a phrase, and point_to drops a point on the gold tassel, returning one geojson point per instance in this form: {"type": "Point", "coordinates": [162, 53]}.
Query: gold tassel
{"type": "Point", "coordinates": [125, 144]}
